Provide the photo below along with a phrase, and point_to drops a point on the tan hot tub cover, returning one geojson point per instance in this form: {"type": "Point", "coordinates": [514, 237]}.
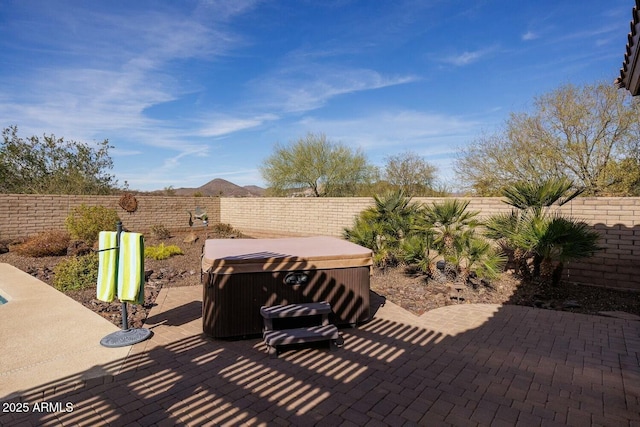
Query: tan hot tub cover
{"type": "Point", "coordinates": [230, 256]}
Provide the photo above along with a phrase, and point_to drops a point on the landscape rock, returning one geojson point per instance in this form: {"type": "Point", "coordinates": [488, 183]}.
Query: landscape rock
{"type": "Point", "coordinates": [571, 304]}
{"type": "Point", "coordinates": [190, 238]}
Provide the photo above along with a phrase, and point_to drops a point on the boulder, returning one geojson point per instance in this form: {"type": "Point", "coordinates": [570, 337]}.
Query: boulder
{"type": "Point", "coordinates": [190, 238]}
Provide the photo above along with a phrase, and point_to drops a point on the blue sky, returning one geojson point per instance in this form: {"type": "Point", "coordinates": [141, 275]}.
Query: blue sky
{"type": "Point", "coordinates": [188, 91]}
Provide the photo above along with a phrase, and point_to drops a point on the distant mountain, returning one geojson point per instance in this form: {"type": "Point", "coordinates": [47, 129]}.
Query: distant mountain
{"type": "Point", "coordinates": [222, 187]}
{"type": "Point", "coordinates": [254, 189]}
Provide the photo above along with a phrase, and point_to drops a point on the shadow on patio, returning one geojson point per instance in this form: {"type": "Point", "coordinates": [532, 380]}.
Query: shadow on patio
{"type": "Point", "coordinates": [460, 365]}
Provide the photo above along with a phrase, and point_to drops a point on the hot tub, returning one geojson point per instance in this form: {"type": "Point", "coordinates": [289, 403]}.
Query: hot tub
{"type": "Point", "coordinates": [241, 275]}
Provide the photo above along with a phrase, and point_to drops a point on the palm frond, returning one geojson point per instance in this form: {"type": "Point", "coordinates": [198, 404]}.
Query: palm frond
{"type": "Point", "coordinates": [539, 195]}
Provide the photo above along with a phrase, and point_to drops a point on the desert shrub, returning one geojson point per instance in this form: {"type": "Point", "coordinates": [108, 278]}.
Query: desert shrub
{"type": "Point", "coordinates": [161, 251]}
{"type": "Point", "coordinates": [47, 243]}
{"type": "Point", "coordinates": [86, 222]}
{"type": "Point", "coordinates": [159, 231]}
{"type": "Point", "coordinates": [225, 230]}
{"type": "Point", "coordinates": [76, 273]}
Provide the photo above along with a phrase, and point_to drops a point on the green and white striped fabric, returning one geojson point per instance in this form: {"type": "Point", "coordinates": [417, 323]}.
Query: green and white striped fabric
{"type": "Point", "coordinates": [107, 267]}
{"type": "Point", "coordinates": [131, 268]}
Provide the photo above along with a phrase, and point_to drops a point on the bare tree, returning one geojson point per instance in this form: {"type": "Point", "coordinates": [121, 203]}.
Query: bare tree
{"type": "Point", "coordinates": [410, 173]}
{"type": "Point", "coordinates": [583, 133]}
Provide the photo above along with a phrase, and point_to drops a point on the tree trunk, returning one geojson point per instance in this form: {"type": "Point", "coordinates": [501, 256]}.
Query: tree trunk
{"type": "Point", "coordinates": [537, 261]}
{"type": "Point", "coordinates": [557, 274]}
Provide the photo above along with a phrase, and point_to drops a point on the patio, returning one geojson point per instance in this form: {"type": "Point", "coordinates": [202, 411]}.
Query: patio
{"type": "Point", "coordinates": [459, 365]}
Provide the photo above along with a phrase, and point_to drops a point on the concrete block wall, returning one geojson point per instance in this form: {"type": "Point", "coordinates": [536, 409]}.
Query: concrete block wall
{"type": "Point", "coordinates": [311, 216]}
{"type": "Point", "coordinates": [617, 219]}
{"type": "Point", "coordinates": [25, 214]}
{"type": "Point", "coordinates": [271, 217]}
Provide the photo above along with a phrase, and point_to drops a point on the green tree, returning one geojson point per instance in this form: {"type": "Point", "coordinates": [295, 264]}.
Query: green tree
{"type": "Point", "coordinates": [53, 166]}
{"type": "Point", "coordinates": [585, 133]}
{"type": "Point", "coordinates": [328, 169]}
{"type": "Point", "coordinates": [410, 173]}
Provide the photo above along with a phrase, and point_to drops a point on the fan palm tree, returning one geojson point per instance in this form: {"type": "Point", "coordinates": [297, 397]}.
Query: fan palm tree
{"type": "Point", "coordinates": [502, 228]}
{"type": "Point", "coordinates": [474, 253]}
{"type": "Point", "coordinates": [384, 226]}
{"type": "Point", "coordinates": [531, 232]}
{"type": "Point", "coordinates": [535, 196]}
{"type": "Point", "coordinates": [395, 211]}
{"type": "Point", "coordinates": [448, 220]}
{"type": "Point", "coordinates": [556, 240]}
{"type": "Point", "coordinates": [418, 249]}
{"type": "Point", "coordinates": [447, 230]}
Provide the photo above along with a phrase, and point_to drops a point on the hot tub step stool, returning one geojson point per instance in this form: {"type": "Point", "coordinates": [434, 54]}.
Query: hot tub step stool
{"type": "Point", "coordinates": [276, 337]}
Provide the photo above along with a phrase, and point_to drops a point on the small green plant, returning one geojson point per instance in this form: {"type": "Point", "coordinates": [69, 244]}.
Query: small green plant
{"type": "Point", "coordinates": [161, 251]}
{"type": "Point", "coordinates": [160, 232]}
{"type": "Point", "coordinates": [47, 243]}
{"type": "Point", "coordinates": [86, 222]}
{"type": "Point", "coordinates": [76, 273]}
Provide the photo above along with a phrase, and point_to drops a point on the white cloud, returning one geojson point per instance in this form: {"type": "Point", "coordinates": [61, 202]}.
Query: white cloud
{"type": "Point", "coordinates": [220, 125]}
{"type": "Point", "coordinates": [529, 35]}
{"type": "Point", "coordinates": [123, 152]}
{"type": "Point", "coordinates": [100, 84]}
{"type": "Point", "coordinates": [397, 130]}
{"type": "Point", "coordinates": [467, 57]}
{"type": "Point", "coordinates": [297, 95]}
{"type": "Point", "coordinates": [224, 9]}
{"type": "Point", "coordinates": [306, 86]}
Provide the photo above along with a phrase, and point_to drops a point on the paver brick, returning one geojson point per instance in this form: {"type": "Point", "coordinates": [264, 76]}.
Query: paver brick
{"type": "Point", "coordinates": [521, 367]}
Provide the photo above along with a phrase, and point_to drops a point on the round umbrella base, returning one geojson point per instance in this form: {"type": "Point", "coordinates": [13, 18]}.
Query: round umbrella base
{"type": "Point", "coordinates": [126, 337]}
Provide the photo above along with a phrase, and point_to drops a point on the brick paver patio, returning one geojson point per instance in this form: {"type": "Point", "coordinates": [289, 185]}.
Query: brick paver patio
{"type": "Point", "coordinates": [463, 365]}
